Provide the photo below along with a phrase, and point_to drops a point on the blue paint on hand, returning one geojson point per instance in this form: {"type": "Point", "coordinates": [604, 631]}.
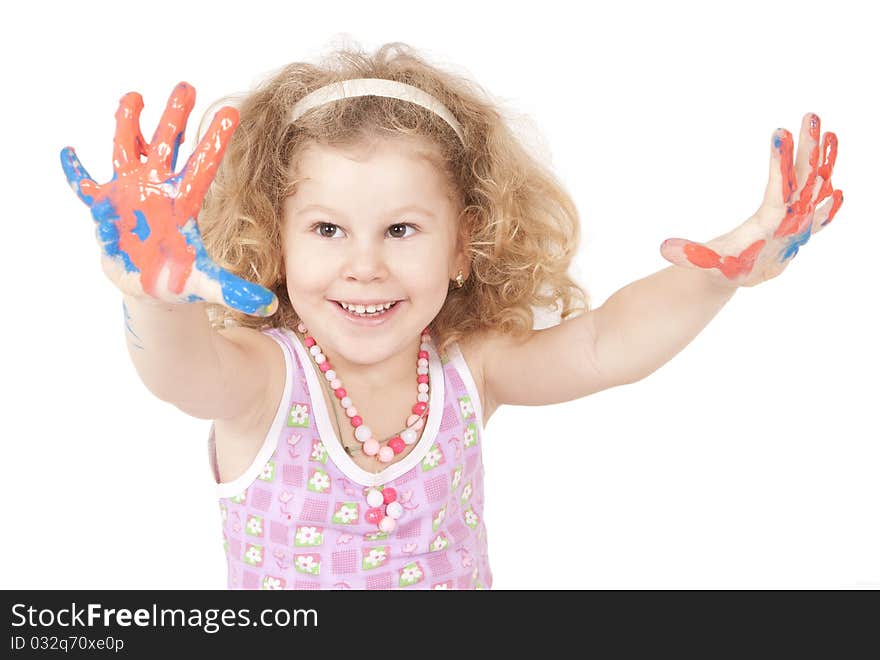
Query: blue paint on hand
{"type": "Point", "coordinates": [142, 228]}
{"type": "Point", "coordinates": [796, 242]}
{"type": "Point", "coordinates": [177, 142]}
{"type": "Point", "coordinates": [75, 173]}
{"type": "Point", "coordinates": [238, 293]}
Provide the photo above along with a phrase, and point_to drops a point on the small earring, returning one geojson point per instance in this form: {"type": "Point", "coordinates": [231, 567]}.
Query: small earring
{"type": "Point", "coordinates": [459, 280]}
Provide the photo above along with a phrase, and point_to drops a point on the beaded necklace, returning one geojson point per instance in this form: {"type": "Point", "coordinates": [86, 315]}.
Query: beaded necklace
{"type": "Point", "coordinates": [370, 446]}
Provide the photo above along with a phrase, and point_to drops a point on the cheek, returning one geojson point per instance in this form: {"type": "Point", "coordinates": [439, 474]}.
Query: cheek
{"type": "Point", "coordinates": [427, 274]}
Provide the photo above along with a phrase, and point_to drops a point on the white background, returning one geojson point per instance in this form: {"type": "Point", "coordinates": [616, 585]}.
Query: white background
{"type": "Point", "coordinates": [749, 461]}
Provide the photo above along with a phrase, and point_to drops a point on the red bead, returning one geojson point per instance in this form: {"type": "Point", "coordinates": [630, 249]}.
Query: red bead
{"type": "Point", "coordinates": [397, 444]}
{"type": "Point", "coordinates": [423, 378]}
{"type": "Point", "coordinates": [309, 342]}
{"type": "Point", "coordinates": [389, 494]}
{"type": "Point", "coordinates": [423, 354]}
{"type": "Point", "coordinates": [324, 366]}
{"type": "Point", "coordinates": [419, 408]}
{"type": "Point", "coordinates": [340, 393]}
{"type": "Point", "coordinates": [374, 515]}
{"type": "Point", "coordinates": [356, 421]}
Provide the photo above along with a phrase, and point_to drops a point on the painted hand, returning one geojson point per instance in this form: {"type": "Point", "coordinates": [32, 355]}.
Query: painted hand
{"type": "Point", "coordinates": [146, 215]}
{"type": "Point", "coordinates": [799, 201]}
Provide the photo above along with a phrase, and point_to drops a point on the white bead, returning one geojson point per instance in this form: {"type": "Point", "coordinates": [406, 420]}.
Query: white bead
{"type": "Point", "coordinates": [419, 424]}
{"type": "Point", "coordinates": [423, 346]}
{"type": "Point", "coordinates": [423, 387]}
{"type": "Point", "coordinates": [423, 362]}
{"type": "Point", "coordinates": [346, 402]}
{"type": "Point", "coordinates": [421, 371]}
{"type": "Point", "coordinates": [394, 510]}
{"type": "Point", "coordinates": [375, 497]}
{"type": "Point", "coordinates": [387, 524]}
{"type": "Point", "coordinates": [351, 411]}
{"type": "Point", "coordinates": [330, 375]}
{"type": "Point", "coordinates": [408, 436]}
{"type": "Point", "coordinates": [335, 383]}
{"type": "Point", "coordinates": [314, 350]}
{"type": "Point", "coordinates": [363, 433]}
{"type": "Point", "coordinates": [422, 397]}
{"type": "Point", "coordinates": [320, 358]}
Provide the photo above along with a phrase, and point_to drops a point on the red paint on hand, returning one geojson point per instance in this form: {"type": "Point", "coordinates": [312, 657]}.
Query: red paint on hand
{"type": "Point", "coordinates": [731, 267]}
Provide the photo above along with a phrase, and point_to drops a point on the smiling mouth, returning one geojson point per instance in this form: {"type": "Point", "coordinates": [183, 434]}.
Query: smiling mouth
{"type": "Point", "coordinates": [367, 315]}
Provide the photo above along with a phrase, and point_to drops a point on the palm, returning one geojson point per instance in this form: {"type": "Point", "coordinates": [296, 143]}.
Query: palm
{"type": "Point", "coordinates": [798, 202]}
{"type": "Point", "coordinates": [146, 214]}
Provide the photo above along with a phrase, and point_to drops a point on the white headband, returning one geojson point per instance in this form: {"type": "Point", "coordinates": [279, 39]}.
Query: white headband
{"type": "Point", "coordinates": [374, 87]}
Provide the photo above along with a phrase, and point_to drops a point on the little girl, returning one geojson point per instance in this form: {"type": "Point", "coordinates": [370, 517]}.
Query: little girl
{"type": "Point", "coordinates": [343, 276]}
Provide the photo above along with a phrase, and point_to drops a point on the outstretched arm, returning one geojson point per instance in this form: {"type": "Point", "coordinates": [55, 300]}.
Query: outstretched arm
{"type": "Point", "coordinates": [648, 322]}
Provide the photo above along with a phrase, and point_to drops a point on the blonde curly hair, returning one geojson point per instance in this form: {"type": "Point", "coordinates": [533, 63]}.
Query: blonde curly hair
{"type": "Point", "coordinates": [522, 229]}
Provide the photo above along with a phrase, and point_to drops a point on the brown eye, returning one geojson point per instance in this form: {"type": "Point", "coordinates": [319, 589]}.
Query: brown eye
{"type": "Point", "coordinates": [400, 226]}
{"type": "Point", "coordinates": [323, 228]}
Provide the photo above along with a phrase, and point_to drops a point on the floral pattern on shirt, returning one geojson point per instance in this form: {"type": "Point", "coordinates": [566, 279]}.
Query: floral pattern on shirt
{"type": "Point", "coordinates": [307, 536]}
{"type": "Point", "coordinates": [467, 408]}
{"type": "Point", "coordinates": [268, 472]}
{"type": "Point", "coordinates": [411, 574]}
{"type": "Point", "coordinates": [470, 436]}
{"type": "Point", "coordinates": [375, 557]}
{"type": "Point", "coordinates": [319, 481]}
{"type": "Point", "coordinates": [299, 415]}
{"type": "Point", "coordinates": [301, 523]}
{"type": "Point", "coordinates": [440, 542]}
{"type": "Point", "coordinates": [254, 526]}
{"type": "Point", "coordinates": [310, 563]}
{"type": "Point", "coordinates": [433, 458]}
{"type": "Point", "coordinates": [319, 452]}
{"type": "Point", "coordinates": [272, 582]}
{"type": "Point", "coordinates": [346, 513]}
{"type": "Point", "coordinates": [253, 555]}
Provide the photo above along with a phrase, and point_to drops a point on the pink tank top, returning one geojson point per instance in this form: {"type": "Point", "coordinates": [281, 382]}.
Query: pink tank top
{"type": "Point", "coordinates": [295, 519]}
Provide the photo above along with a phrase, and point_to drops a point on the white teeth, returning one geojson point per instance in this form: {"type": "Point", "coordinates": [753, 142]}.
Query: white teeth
{"type": "Point", "coordinates": [368, 309]}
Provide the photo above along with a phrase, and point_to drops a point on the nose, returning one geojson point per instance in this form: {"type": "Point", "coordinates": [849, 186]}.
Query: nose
{"type": "Point", "coordinates": [366, 261]}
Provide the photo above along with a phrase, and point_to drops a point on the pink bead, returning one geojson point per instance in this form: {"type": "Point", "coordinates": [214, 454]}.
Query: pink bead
{"type": "Point", "coordinates": [324, 366]}
{"type": "Point", "coordinates": [387, 524]}
{"type": "Point", "coordinates": [423, 354]}
{"type": "Point", "coordinates": [419, 407]}
{"type": "Point", "coordinates": [389, 495]}
{"type": "Point", "coordinates": [374, 515]}
{"type": "Point", "coordinates": [309, 342]}
{"type": "Point", "coordinates": [371, 447]}
{"type": "Point", "coordinates": [412, 419]}
{"type": "Point", "coordinates": [422, 378]}
{"type": "Point", "coordinates": [351, 411]}
{"type": "Point", "coordinates": [356, 421]}
{"type": "Point", "coordinates": [340, 393]}
{"type": "Point", "coordinates": [397, 444]}
{"type": "Point", "coordinates": [386, 454]}
{"type": "Point", "coordinates": [419, 424]}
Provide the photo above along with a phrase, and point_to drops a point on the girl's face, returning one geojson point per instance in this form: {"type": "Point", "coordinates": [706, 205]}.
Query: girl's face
{"type": "Point", "coordinates": [369, 223]}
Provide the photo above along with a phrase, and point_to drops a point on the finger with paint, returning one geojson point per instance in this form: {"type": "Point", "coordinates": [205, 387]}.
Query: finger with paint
{"type": "Point", "coordinates": [798, 202]}
{"type": "Point", "coordinates": [146, 214]}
